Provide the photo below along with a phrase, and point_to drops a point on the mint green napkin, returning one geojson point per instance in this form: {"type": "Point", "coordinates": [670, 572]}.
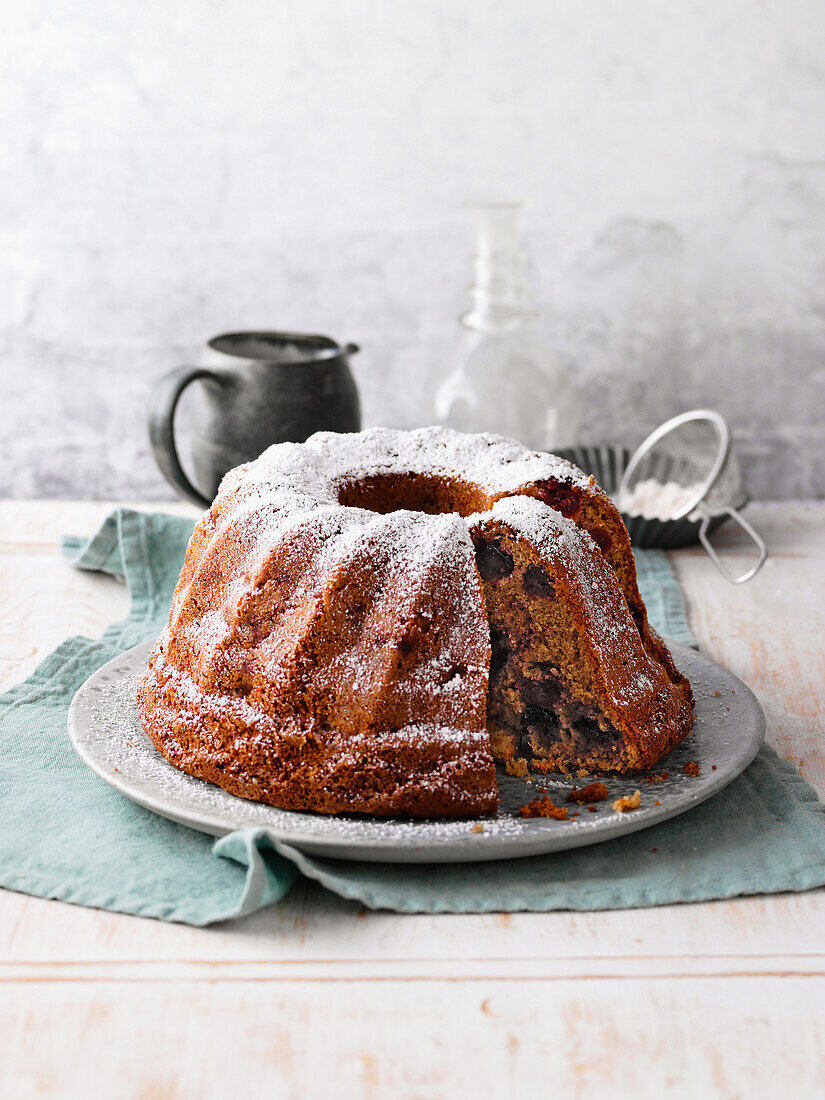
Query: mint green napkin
{"type": "Point", "coordinates": [65, 834]}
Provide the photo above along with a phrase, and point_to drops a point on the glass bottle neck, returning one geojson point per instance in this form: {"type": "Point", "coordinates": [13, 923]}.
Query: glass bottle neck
{"type": "Point", "coordinates": [500, 292]}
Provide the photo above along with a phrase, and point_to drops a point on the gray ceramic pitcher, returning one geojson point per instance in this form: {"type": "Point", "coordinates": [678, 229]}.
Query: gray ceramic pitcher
{"type": "Point", "coordinates": [256, 389]}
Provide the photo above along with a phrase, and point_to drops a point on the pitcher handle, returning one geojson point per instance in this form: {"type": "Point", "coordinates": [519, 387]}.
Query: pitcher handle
{"type": "Point", "coordinates": [164, 402]}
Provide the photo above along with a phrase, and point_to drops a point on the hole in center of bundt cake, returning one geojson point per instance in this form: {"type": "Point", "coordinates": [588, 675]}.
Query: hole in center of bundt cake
{"type": "Point", "coordinates": [384, 493]}
{"type": "Point", "coordinates": [540, 707]}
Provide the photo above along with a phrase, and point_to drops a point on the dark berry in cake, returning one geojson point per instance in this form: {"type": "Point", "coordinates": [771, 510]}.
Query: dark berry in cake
{"type": "Point", "coordinates": [539, 719]}
{"type": "Point", "coordinates": [493, 561]}
{"type": "Point", "coordinates": [603, 541]}
{"type": "Point", "coordinates": [537, 583]}
{"type": "Point", "coordinates": [563, 498]}
{"type": "Point", "coordinates": [500, 651]}
{"type": "Point", "coordinates": [541, 693]}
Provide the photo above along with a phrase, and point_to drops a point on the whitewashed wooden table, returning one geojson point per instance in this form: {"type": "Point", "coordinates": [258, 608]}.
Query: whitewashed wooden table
{"type": "Point", "coordinates": [319, 997]}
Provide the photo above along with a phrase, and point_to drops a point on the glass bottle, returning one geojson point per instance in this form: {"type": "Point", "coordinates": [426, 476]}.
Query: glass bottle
{"type": "Point", "coordinates": [506, 379]}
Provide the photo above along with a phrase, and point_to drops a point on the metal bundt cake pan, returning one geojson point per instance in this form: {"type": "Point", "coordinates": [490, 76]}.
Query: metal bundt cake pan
{"type": "Point", "coordinates": [607, 463]}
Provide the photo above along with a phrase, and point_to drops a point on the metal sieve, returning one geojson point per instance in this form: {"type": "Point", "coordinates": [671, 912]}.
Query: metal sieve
{"type": "Point", "coordinates": [689, 461]}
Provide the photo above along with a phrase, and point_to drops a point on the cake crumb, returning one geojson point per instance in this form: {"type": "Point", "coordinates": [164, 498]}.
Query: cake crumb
{"type": "Point", "coordinates": [593, 792]}
{"type": "Point", "coordinates": [717, 694]}
{"type": "Point", "coordinates": [713, 767]}
{"type": "Point", "coordinates": [654, 849]}
{"type": "Point", "coordinates": [628, 802]}
{"type": "Point", "coordinates": [656, 777]}
{"type": "Point", "coordinates": [517, 767]}
{"type": "Point", "coordinates": [692, 769]}
{"type": "Point", "coordinates": [477, 828]}
{"type": "Point", "coordinates": [592, 809]}
{"type": "Point", "coordinates": [544, 807]}
{"type": "Point", "coordinates": [657, 803]}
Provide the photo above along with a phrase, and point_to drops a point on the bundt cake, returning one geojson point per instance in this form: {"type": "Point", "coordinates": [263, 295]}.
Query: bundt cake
{"type": "Point", "coordinates": [363, 622]}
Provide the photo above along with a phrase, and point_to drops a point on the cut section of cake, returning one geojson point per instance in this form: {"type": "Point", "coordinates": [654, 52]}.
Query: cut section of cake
{"type": "Point", "coordinates": [572, 688]}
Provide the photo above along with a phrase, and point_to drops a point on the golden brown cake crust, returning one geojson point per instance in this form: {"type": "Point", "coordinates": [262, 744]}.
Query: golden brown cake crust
{"type": "Point", "coordinates": [328, 647]}
{"type": "Point", "coordinates": [417, 773]}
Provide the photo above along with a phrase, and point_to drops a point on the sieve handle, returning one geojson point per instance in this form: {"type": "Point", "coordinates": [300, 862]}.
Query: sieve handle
{"type": "Point", "coordinates": [714, 557]}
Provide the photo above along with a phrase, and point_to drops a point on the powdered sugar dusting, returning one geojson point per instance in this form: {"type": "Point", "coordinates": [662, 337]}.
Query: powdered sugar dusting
{"type": "Point", "coordinates": [318, 466]}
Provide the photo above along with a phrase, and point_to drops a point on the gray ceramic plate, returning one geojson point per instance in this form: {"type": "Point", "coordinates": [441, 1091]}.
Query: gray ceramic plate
{"type": "Point", "coordinates": [730, 726]}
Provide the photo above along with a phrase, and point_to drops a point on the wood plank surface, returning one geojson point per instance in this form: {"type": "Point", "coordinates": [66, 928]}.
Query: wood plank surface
{"type": "Point", "coordinates": [318, 996]}
{"type": "Point", "coordinates": [429, 1040]}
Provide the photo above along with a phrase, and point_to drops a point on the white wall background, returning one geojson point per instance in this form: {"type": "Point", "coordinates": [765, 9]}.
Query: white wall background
{"type": "Point", "coordinates": [173, 168]}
